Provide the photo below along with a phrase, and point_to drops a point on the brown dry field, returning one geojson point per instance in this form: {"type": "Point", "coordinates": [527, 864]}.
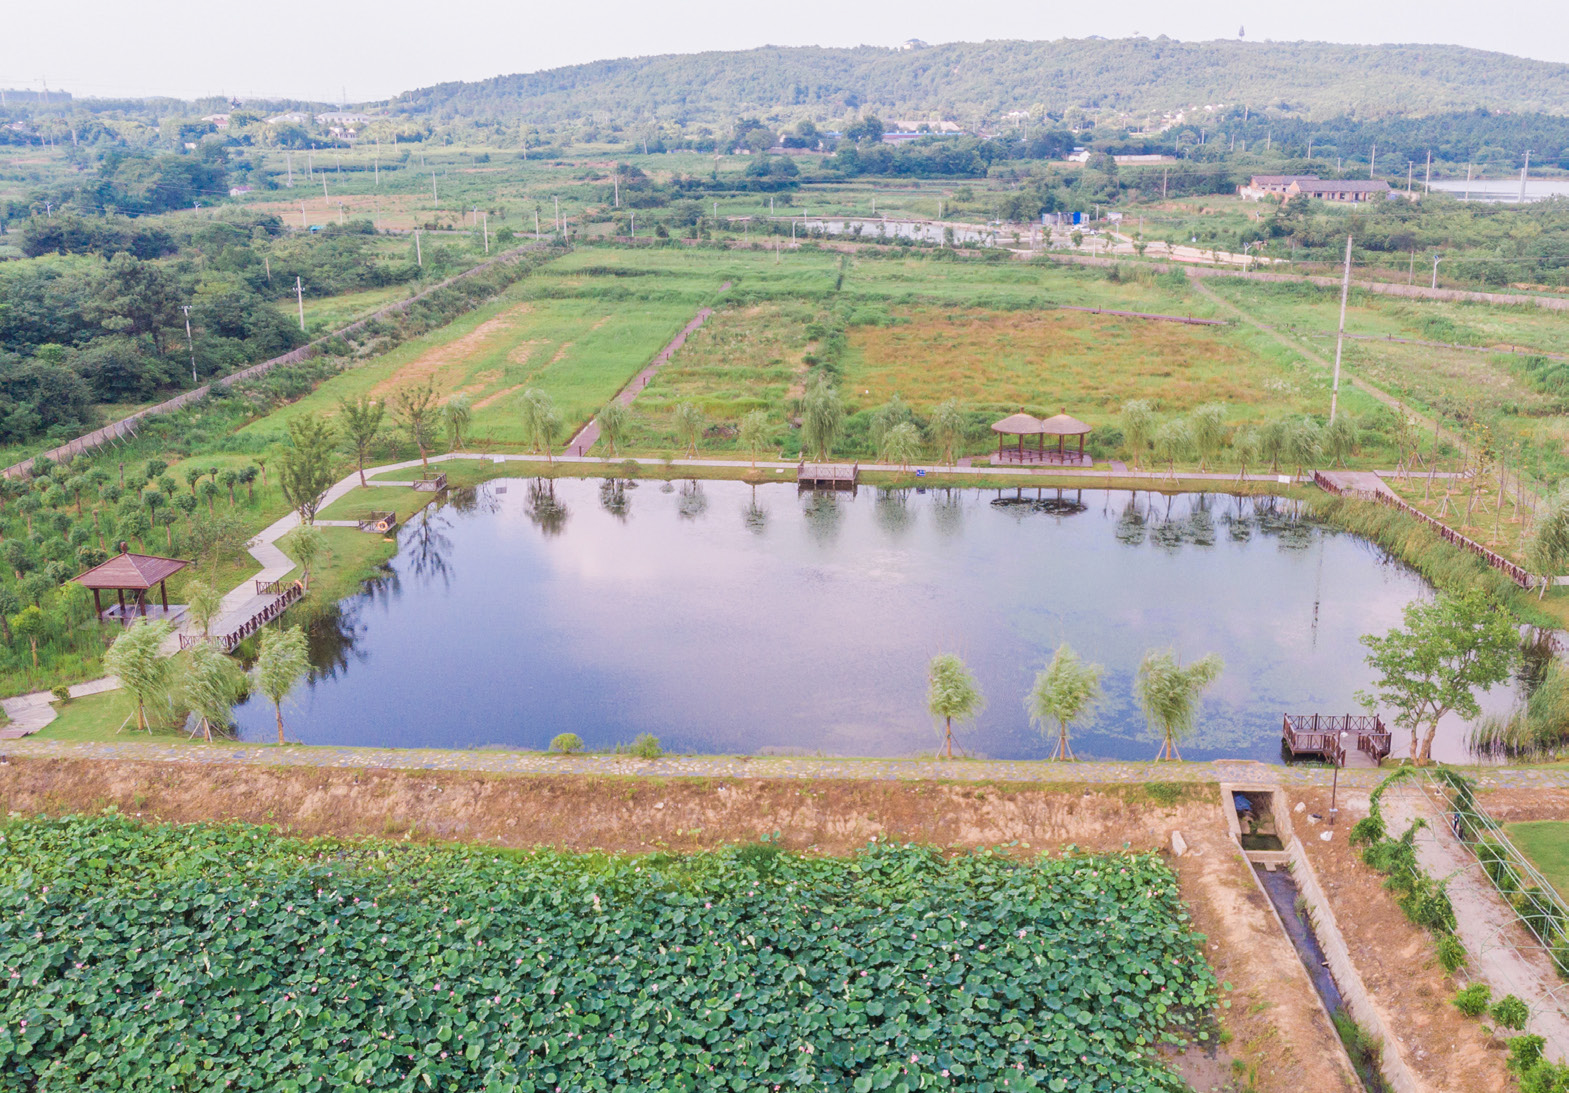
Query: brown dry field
{"type": "Point", "coordinates": [1274, 1026]}
{"type": "Point", "coordinates": [1053, 360]}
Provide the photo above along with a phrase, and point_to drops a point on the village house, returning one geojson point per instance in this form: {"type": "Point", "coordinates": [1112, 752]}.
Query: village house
{"type": "Point", "coordinates": [1271, 185]}
{"type": "Point", "coordinates": [1289, 186]}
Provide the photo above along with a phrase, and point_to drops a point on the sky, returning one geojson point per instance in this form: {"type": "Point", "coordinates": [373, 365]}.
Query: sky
{"type": "Point", "coordinates": [364, 50]}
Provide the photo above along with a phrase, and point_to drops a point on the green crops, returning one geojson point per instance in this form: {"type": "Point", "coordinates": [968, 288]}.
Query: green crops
{"type": "Point", "coordinates": [218, 957]}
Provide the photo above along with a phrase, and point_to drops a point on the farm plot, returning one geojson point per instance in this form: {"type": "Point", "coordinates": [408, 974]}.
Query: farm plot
{"type": "Point", "coordinates": [897, 969]}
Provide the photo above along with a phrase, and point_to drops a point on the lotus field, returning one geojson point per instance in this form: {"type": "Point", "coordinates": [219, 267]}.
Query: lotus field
{"type": "Point", "coordinates": [227, 957]}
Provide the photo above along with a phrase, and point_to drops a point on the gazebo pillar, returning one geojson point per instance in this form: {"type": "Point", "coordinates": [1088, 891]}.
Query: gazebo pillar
{"type": "Point", "coordinates": [98, 607]}
{"type": "Point", "coordinates": [120, 592]}
{"type": "Point", "coordinates": [163, 591]}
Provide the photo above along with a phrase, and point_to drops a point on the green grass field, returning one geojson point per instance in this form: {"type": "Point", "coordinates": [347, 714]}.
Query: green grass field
{"type": "Point", "coordinates": [1546, 844]}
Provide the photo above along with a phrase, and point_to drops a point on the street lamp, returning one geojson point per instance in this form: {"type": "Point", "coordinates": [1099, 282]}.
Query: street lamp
{"type": "Point", "coordinates": [1334, 788]}
{"type": "Point", "coordinates": [1436, 259]}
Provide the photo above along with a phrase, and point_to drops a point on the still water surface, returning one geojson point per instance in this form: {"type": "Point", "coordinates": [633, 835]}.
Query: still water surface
{"type": "Point", "coordinates": [726, 619]}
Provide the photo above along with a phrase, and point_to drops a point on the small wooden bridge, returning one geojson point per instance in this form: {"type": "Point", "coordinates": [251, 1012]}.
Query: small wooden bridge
{"type": "Point", "coordinates": [828, 476]}
{"type": "Point", "coordinates": [272, 599]}
{"type": "Point", "coordinates": [1351, 740]}
{"type": "Point", "coordinates": [432, 483]}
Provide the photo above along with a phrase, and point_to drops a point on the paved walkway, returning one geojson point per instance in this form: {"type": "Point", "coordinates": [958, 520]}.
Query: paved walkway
{"type": "Point", "coordinates": [494, 761]}
{"type": "Point", "coordinates": [586, 436]}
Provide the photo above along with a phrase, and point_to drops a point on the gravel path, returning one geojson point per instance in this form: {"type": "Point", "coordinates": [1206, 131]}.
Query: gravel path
{"type": "Point", "coordinates": [1485, 924]}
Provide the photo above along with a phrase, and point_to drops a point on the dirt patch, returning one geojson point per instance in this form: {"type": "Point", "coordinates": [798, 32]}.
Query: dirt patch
{"type": "Point", "coordinates": [1274, 1027]}
{"type": "Point", "coordinates": [1445, 1050]}
{"type": "Point", "coordinates": [447, 364]}
{"type": "Point", "coordinates": [520, 353]}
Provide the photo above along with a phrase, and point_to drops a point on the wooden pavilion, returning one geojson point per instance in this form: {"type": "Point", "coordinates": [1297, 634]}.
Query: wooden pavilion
{"type": "Point", "coordinates": [1060, 426]}
{"type": "Point", "coordinates": [138, 574]}
{"type": "Point", "coordinates": [1020, 425]}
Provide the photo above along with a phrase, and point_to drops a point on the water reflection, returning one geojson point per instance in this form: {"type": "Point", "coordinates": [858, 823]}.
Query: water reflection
{"type": "Point", "coordinates": [530, 608]}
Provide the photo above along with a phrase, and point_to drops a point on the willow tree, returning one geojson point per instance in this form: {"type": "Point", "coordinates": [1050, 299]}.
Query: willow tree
{"type": "Point", "coordinates": [204, 605]}
{"type": "Point", "coordinates": [1064, 691]}
{"type": "Point", "coordinates": [1304, 443]}
{"type": "Point", "coordinates": [541, 421]}
{"type": "Point", "coordinates": [901, 444]}
{"type": "Point", "coordinates": [144, 673]}
{"type": "Point", "coordinates": [1172, 441]}
{"type": "Point", "coordinates": [1547, 547]}
{"type": "Point", "coordinates": [948, 429]}
{"type": "Point", "coordinates": [951, 692]}
{"type": "Point", "coordinates": [1207, 425]}
{"type": "Point", "coordinates": [690, 425]}
{"type": "Point", "coordinates": [1340, 438]}
{"type": "Point", "coordinates": [1138, 423]}
{"type": "Point", "coordinates": [211, 685]}
{"type": "Point", "coordinates": [459, 414]}
{"type": "Point", "coordinates": [1244, 449]}
{"type": "Point", "coordinates": [281, 663]}
{"type": "Point", "coordinates": [822, 418]}
{"type": "Point", "coordinates": [613, 421]}
{"type": "Point", "coordinates": [1169, 694]}
{"type": "Point", "coordinates": [753, 431]}
{"type": "Point", "coordinates": [888, 417]}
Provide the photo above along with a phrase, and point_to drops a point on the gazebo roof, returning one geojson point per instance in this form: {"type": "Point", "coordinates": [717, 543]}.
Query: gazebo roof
{"type": "Point", "coordinates": [131, 571]}
{"type": "Point", "coordinates": [1020, 424]}
{"type": "Point", "coordinates": [1063, 425]}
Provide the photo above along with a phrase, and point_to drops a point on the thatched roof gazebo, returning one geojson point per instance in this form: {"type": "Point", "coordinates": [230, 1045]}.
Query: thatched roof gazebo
{"type": "Point", "coordinates": [1060, 426]}
{"type": "Point", "coordinates": [1020, 425]}
{"type": "Point", "coordinates": [138, 574]}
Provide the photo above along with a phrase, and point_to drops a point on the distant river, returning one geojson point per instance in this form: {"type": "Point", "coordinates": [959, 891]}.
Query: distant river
{"type": "Point", "coordinates": [726, 619]}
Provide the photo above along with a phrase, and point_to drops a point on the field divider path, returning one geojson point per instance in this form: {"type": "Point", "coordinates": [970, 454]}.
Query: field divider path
{"type": "Point", "coordinates": [589, 434]}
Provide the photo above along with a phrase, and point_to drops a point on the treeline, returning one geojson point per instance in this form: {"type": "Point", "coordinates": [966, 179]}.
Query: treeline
{"type": "Point", "coordinates": [100, 314]}
{"type": "Point", "coordinates": [974, 82]}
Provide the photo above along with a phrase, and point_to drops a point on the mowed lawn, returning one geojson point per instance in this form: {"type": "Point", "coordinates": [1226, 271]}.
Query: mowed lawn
{"type": "Point", "coordinates": [1546, 844]}
{"type": "Point", "coordinates": [580, 350]}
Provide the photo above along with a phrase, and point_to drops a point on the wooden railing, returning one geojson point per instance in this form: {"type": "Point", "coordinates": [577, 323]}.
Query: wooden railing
{"type": "Point", "coordinates": [228, 640]}
{"type": "Point", "coordinates": [1321, 734]}
{"type": "Point", "coordinates": [1513, 570]}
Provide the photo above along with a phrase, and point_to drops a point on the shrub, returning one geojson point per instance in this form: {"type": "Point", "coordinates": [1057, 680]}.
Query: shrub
{"type": "Point", "coordinates": [1524, 1052]}
{"type": "Point", "coordinates": [1367, 830]}
{"type": "Point", "coordinates": [566, 743]}
{"type": "Point", "coordinates": [646, 746]}
{"type": "Point", "coordinates": [1451, 954]}
{"type": "Point", "coordinates": [1510, 1012]}
{"type": "Point", "coordinates": [1473, 1000]}
{"type": "Point", "coordinates": [62, 694]}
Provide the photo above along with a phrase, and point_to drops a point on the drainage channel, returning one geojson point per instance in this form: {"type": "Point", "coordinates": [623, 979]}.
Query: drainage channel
{"type": "Point", "coordinates": [1282, 892]}
{"type": "Point", "coordinates": [1259, 829]}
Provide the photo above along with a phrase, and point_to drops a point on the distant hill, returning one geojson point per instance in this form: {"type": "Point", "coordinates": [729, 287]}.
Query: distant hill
{"type": "Point", "coordinates": [979, 82]}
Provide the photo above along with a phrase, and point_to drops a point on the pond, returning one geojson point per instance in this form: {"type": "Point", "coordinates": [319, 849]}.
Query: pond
{"type": "Point", "coordinates": [724, 618]}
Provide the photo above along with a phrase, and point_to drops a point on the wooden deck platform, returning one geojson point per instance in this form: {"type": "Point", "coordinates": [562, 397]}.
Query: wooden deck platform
{"type": "Point", "coordinates": [1349, 740]}
{"type": "Point", "coordinates": [828, 476]}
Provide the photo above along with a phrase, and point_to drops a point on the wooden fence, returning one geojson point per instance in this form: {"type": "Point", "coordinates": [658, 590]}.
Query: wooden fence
{"type": "Point", "coordinates": [228, 640]}
{"type": "Point", "coordinates": [1514, 571]}
{"type": "Point", "coordinates": [126, 426]}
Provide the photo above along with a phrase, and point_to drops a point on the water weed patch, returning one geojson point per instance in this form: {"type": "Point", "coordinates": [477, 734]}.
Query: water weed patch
{"type": "Point", "coordinates": [222, 955]}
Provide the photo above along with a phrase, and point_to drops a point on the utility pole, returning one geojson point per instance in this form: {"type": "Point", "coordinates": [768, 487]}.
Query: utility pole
{"type": "Point", "coordinates": [419, 258]}
{"type": "Point", "coordinates": [267, 264]}
{"type": "Point", "coordinates": [557, 200]}
{"type": "Point", "coordinates": [1427, 179]}
{"type": "Point", "coordinates": [303, 224]}
{"type": "Point", "coordinates": [1524, 171]}
{"type": "Point", "coordinates": [189, 344]}
{"type": "Point", "coordinates": [299, 295]}
{"type": "Point", "coordinates": [1310, 148]}
{"type": "Point", "coordinates": [1345, 292]}
{"type": "Point", "coordinates": [1468, 180]}
{"type": "Point", "coordinates": [536, 223]}
{"type": "Point", "coordinates": [378, 163]}
{"type": "Point", "coordinates": [288, 160]}
{"type": "Point", "coordinates": [486, 229]}
{"type": "Point", "coordinates": [616, 178]}
{"type": "Point", "coordinates": [1372, 164]}
{"type": "Point", "coordinates": [1409, 168]}
{"type": "Point", "coordinates": [1165, 173]}
{"type": "Point", "coordinates": [326, 200]}
{"type": "Point", "coordinates": [434, 196]}
{"type": "Point", "coordinates": [1436, 260]}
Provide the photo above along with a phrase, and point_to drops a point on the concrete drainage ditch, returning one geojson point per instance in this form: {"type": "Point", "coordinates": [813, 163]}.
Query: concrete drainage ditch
{"type": "Point", "coordinates": [1259, 819]}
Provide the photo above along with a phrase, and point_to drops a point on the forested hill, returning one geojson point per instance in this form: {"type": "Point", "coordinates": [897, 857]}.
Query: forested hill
{"type": "Point", "coordinates": [975, 82]}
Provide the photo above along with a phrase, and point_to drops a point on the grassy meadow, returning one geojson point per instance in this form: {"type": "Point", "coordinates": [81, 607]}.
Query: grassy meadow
{"type": "Point", "coordinates": [1546, 844]}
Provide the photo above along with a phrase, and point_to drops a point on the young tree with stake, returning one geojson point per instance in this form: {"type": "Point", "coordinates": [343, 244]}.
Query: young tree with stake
{"type": "Point", "coordinates": [753, 432]}
{"type": "Point", "coordinates": [952, 693]}
{"type": "Point", "coordinates": [948, 429]}
{"type": "Point", "coordinates": [361, 421]}
{"type": "Point", "coordinates": [1064, 691]}
{"type": "Point", "coordinates": [416, 406]}
{"type": "Point", "coordinates": [281, 663]}
{"type": "Point", "coordinates": [305, 469]}
{"type": "Point", "coordinates": [211, 685]}
{"type": "Point", "coordinates": [614, 420]}
{"type": "Point", "coordinates": [1169, 694]}
{"type": "Point", "coordinates": [144, 673]}
{"type": "Point", "coordinates": [541, 421]}
{"type": "Point", "coordinates": [689, 425]}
